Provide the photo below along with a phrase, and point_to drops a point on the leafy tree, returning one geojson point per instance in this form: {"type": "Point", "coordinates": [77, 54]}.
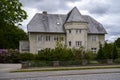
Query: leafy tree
{"type": "Point", "coordinates": [100, 54]}
{"type": "Point", "coordinates": [10, 16]}
{"type": "Point", "coordinates": [118, 42]}
{"type": "Point", "coordinates": [11, 12]}
{"type": "Point", "coordinates": [10, 37]}
{"type": "Point", "coordinates": [114, 52]}
{"type": "Point", "coordinates": [107, 49]}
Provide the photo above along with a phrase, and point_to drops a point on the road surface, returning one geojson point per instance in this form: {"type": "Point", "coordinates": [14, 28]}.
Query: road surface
{"type": "Point", "coordinates": [96, 74]}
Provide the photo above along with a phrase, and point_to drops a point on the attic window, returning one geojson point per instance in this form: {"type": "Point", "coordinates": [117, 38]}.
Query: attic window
{"type": "Point", "coordinates": [58, 23]}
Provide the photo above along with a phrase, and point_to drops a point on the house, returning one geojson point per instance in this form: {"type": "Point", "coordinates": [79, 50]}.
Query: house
{"type": "Point", "coordinates": [74, 29]}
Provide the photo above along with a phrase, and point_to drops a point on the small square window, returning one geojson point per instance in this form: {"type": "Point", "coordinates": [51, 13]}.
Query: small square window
{"type": "Point", "coordinates": [93, 50]}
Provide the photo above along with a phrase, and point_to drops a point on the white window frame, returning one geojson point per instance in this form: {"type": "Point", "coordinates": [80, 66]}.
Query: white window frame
{"type": "Point", "coordinates": [94, 50]}
{"type": "Point", "coordinates": [39, 38]}
{"type": "Point", "coordinates": [69, 31]}
{"type": "Point", "coordinates": [47, 38]}
{"type": "Point", "coordinates": [55, 37]}
{"type": "Point", "coordinates": [70, 43]}
{"type": "Point", "coordinates": [94, 38]}
{"type": "Point", "coordinates": [78, 43]}
{"type": "Point", "coordinates": [78, 31]}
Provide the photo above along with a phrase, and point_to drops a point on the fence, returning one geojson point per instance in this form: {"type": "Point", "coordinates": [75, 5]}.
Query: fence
{"type": "Point", "coordinates": [66, 63]}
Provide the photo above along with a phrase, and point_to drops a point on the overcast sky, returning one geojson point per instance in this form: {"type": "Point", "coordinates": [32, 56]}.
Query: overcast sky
{"type": "Point", "coordinates": [106, 12]}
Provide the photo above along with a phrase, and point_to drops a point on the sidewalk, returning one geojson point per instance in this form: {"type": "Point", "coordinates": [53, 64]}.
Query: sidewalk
{"type": "Point", "coordinates": [37, 69]}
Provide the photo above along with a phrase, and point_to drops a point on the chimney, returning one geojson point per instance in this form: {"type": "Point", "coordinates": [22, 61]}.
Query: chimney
{"type": "Point", "coordinates": [44, 12]}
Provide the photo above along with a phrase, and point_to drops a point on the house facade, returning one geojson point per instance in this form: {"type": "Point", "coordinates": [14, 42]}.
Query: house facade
{"type": "Point", "coordinates": [74, 30]}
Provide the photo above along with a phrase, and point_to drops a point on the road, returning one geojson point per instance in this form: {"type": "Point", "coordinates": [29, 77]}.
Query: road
{"type": "Point", "coordinates": [96, 74]}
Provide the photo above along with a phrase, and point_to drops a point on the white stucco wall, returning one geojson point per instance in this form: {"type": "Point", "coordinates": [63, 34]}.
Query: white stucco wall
{"type": "Point", "coordinates": [36, 45]}
{"type": "Point", "coordinates": [73, 36]}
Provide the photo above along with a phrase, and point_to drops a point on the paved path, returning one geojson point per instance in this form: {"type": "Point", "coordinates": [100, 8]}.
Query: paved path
{"type": "Point", "coordinates": [96, 74]}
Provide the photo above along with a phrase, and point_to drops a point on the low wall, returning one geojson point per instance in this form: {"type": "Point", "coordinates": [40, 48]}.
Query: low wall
{"type": "Point", "coordinates": [7, 67]}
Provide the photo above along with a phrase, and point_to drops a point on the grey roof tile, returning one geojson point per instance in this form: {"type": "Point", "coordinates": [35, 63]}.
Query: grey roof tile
{"type": "Point", "coordinates": [75, 15]}
{"type": "Point", "coordinates": [55, 22]}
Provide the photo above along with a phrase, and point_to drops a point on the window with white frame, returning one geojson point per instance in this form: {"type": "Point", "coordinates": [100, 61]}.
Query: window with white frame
{"type": "Point", "coordinates": [94, 50]}
{"type": "Point", "coordinates": [78, 31]}
{"type": "Point", "coordinates": [40, 37]}
{"type": "Point", "coordinates": [94, 37]}
{"type": "Point", "coordinates": [70, 43]}
{"type": "Point", "coordinates": [78, 43]}
{"type": "Point", "coordinates": [69, 30]}
{"type": "Point", "coordinates": [55, 38]}
{"type": "Point", "coordinates": [47, 37]}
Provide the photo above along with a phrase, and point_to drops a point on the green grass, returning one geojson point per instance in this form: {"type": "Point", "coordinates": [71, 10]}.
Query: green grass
{"type": "Point", "coordinates": [65, 68]}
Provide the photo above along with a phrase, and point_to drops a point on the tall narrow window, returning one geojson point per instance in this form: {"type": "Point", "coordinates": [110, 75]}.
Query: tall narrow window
{"type": "Point", "coordinates": [69, 31]}
{"type": "Point", "coordinates": [55, 38]}
{"type": "Point", "coordinates": [78, 43]}
{"type": "Point", "coordinates": [70, 44]}
{"type": "Point", "coordinates": [94, 38]}
{"type": "Point", "coordinates": [47, 37]}
{"type": "Point", "coordinates": [40, 37]}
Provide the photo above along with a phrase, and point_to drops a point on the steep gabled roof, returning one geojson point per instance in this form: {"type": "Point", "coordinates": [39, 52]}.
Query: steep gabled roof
{"type": "Point", "coordinates": [94, 27]}
{"type": "Point", "coordinates": [54, 23]}
{"type": "Point", "coordinates": [47, 23]}
{"type": "Point", "coordinates": [74, 16]}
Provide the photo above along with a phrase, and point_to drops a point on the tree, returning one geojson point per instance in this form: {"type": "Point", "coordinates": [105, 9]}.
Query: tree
{"type": "Point", "coordinates": [118, 42]}
{"type": "Point", "coordinates": [114, 52]}
{"type": "Point", "coordinates": [107, 49]}
{"type": "Point", "coordinates": [11, 12]}
{"type": "Point", "coordinates": [10, 37]}
{"type": "Point", "coordinates": [100, 54]}
{"type": "Point", "coordinates": [10, 16]}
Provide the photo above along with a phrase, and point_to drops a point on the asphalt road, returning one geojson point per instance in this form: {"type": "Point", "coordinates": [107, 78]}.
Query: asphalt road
{"type": "Point", "coordinates": [96, 74]}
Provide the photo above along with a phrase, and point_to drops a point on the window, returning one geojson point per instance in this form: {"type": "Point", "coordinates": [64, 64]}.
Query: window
{"type": "Point", "coordinates": [78, 43]}
{"type": "Point", "coordinates": [69, 31]}
{"type": "Point", "coordinates": [40, 37]}
{"type": "Point", "coordinates": [55, 38]}
{"type": "Point", "coordinates": [70, 43]}
{"type": "Point", "coordinates": [93, 38]}
{"type": "Point", "coordinates": [47, 37]}
{"type": "Point", "coordinates": [93, 50]}
{"type": "Point", "coordinates": [78, 30]}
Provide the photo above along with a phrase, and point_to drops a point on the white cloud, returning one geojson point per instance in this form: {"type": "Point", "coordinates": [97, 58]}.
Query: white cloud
{"type": "Point", "coordinates": [105, 11]}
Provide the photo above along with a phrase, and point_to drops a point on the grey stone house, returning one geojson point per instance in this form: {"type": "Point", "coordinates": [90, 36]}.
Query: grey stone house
{"type": "Point", "coordinates": [75, 29]}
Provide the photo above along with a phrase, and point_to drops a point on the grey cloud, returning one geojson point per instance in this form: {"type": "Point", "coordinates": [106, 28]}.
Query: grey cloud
{"type": "Point", "coordinates": [47, 5]}
{"type": "Point", "coordinates": [113, 29]}
{"type": "Point", "coordinates": [98, 8]}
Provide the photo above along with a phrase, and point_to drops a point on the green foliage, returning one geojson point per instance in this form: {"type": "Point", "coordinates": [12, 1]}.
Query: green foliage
{"type": "Point", "coordinates": [107, 49]}
{"type": "Point", "coordinates": [26, 57]}
{"type": "Point", "coordinates": [10, 15]}
{"type": "Point", "coordinates": [114, 52]}
{"type": "Point", "coordinates": [11, 12]}
{"type": "Point", "coordinates": [10, 37]}
{"type": "Point", "coordinates": [118, 42]}
{"type": "Point", "coordinates": [100, 54]}
{"type": "Point", "coordinates": [89, 55]}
